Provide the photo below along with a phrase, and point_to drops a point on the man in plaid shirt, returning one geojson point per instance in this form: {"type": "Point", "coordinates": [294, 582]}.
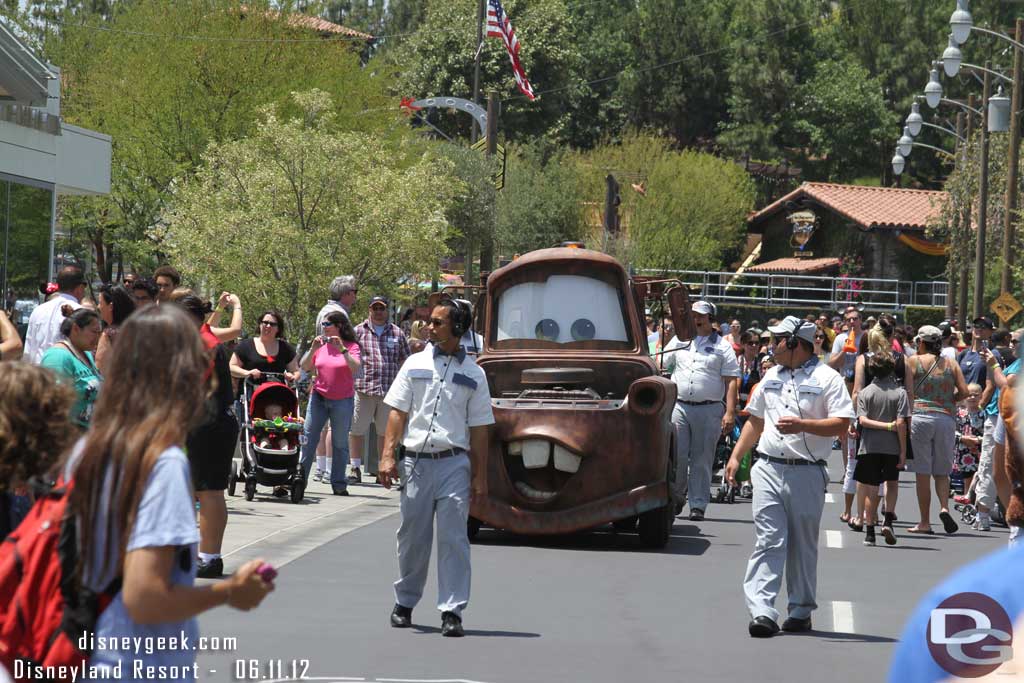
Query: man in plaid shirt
{"type": "Point", "coordinates": [384, 349]}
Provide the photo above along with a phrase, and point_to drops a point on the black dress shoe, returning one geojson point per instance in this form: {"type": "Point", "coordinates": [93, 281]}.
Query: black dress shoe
{"type": "Point", "coordinates": [762, 627]}
{"type": "Point", "coordinates": [401, 617]}
{"type": "Point", "coordinates": [214, 569]}
{"type": "Point", "coordinates": [794, 625]}
{"type": "Point", "coordinates": [696, 515]}
{"type": "Point", "coordinates": [451, 625]}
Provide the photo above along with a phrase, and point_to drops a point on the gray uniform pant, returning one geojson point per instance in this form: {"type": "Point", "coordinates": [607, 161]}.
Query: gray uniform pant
{"type": "Point", "coordinates": [698, 429]}
{"type": "Point", "coordinates": [985, 489]}
{"type": "Point", "coordinates": [788, 500]}
{"type": "Point", "coordinates": [441, 488]}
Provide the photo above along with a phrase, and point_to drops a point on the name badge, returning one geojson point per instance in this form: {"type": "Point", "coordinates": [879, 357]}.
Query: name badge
{"type": "Point", "coordinates": [392, 341]}
{"type": "Point", "coordinates": [809, 389]}
{"type": "Point", "coordinates": [709, 349]}
{"type": "Point", "coordinates": [464, 380]}
{"type": "Point", "coordinates": [421, 374]}
{"type": "Point", "coordinates": [773, 384]}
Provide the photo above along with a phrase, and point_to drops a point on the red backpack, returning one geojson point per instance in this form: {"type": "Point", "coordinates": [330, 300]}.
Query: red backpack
{"type": "Point", "coordinates": [42, 613]}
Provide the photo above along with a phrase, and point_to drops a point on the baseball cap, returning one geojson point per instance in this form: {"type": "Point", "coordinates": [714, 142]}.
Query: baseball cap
{"type": "Point", "coordinates": [930, 334]}
{"type": "Point", "coordinates": [791, 325]}
{"type": "Point", "coordinates": [704, 308]}
{"type": "Point", "coordinates": [379, 300]}
{"type": "Point", "coordinates": [944, 328]}
{"type": "Point", "coordinates": [983, 323]}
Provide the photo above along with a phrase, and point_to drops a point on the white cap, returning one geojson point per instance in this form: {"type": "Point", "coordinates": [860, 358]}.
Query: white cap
{"type": "Point", "coordinates": [793, 326]}
{"type": "Point", "coordinates": [704, 308]}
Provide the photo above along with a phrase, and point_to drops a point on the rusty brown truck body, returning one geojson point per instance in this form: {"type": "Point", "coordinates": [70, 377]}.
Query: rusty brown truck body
{"type": "Point", "coordinates": [583, 432]}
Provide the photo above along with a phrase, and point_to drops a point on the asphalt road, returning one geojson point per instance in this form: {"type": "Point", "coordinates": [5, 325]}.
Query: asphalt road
{"type": "Point", "coordinates": [592, 607]}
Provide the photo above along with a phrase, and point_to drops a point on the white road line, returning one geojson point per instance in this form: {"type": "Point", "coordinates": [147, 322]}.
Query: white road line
{"type": "Point", "coordinates": [842, 616]}
{"type": "Point", "coordinates": [829, 498]}
{"type": "Point", "coordinates": [833, 539]}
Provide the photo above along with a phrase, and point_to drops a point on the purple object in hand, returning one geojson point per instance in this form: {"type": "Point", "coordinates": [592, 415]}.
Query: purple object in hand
{"type": "Point", "coordinates": [267, 572]}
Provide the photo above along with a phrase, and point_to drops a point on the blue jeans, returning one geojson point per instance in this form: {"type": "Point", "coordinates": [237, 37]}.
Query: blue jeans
{"type": "Point", "coordinates": [339, 412]}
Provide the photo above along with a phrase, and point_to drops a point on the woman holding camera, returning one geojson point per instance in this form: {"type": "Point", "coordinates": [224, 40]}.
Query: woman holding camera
{"type": "Point", "coordinates": [335, 355]}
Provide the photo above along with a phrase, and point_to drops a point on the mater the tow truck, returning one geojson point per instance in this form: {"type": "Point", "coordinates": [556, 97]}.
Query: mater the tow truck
{"type": "Point", "coordinates": [583, 433]}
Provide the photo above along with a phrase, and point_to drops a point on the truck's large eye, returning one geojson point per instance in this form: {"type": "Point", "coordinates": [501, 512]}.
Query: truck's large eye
{"type": "Point", "coordinates": [583, 330]}
{"type": "Point", "coordinates": [547, 329]}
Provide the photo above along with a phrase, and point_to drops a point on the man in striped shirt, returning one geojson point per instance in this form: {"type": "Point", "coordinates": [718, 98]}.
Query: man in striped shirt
{"type": "Point", "coordinates": [384, 349]}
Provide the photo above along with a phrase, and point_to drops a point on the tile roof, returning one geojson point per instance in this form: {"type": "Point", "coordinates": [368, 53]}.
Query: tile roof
{"type": "Point", "coordinates": [870, 207]}
{"type": "Point", "coordinates": [795, 265]}
{"type": "Point", "coordinates": [323, 26]}
{"type": "Point", "coordinates": [310, 23]}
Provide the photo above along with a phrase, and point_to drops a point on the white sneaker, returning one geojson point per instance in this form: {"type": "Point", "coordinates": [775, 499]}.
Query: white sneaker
{"type": "Point", "coordinates": [983, 523]}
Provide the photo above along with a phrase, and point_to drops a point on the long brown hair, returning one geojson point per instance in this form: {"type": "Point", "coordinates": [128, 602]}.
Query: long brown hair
{"type": "Point", "coordinates": [152, 396]}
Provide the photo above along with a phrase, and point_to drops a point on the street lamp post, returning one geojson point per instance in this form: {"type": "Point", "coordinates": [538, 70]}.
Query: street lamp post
{"type": "Point", "coordinates": [1013, 168]}
{"type": "Point", "coordinates": [962, 24]}
{"type": "Point", "coordinates": [979, 255]}
{"type": "Point", "coordinates": [965, 227]}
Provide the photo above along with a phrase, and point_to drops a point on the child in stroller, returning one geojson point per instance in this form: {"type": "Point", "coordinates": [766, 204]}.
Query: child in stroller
{"type": "Point", "coordinates": [272, 429]}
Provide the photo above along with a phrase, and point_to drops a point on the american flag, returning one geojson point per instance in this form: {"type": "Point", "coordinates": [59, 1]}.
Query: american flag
{"type": "Point", "coordinates": [499, 26]}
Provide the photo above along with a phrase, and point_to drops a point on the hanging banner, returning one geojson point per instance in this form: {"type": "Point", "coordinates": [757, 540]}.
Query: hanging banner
{"type": "Point", "coordinates": [923, 246]}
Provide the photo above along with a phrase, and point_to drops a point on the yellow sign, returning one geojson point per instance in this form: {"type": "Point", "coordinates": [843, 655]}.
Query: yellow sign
{"type": "Point", "coordinates": [1006, 306]}
{"type": "Point", "coordinates": [499, 153]}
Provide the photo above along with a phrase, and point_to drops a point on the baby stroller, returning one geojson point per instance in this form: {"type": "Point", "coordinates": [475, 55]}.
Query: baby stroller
{"type": "Point", "coordinates": [723, 451]}
{"type": "Point", "coordinates": [275, 464]}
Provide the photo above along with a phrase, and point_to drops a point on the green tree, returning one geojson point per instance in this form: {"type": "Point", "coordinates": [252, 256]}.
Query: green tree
{"type": "Point", "coordinates": [675, 77]}
{"type": "Point", "coordinates": [764, 72]}
{"type": "Point", "coordinates": [471, 211]}
{"type": "Point", "coordinates": [844, 119]}
{"type": "Point", "coordinates": [693, 215]}
{"type": "Point", "coordinates": [679, 210]}
{"type": "Point", "coordinates": [438, 60]}
{"type": "Point", "coordinates": [164, 98]}
{"type": "Point", "coordinates": [540, 205]}
{"type": "Point", "coordinates": [276, 215]}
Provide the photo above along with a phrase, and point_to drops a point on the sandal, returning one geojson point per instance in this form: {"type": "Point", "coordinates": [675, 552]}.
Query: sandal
{"type": "Point", "coordinates": [855, 525]}
{"type": "Point", "coordinates": [948, 524]}
{"type": "Point", "coordinates": [844, 518]}
{"type": "Point", "coordinates": [923, 532]}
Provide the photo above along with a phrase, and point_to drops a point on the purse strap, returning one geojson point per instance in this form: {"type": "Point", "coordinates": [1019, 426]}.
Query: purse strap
{"type": "Point", "coordinates": [918, 383]}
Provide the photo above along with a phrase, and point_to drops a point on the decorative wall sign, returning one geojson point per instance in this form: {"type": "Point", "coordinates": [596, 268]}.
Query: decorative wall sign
{"type": "Point", "coordinates": [804, 224]}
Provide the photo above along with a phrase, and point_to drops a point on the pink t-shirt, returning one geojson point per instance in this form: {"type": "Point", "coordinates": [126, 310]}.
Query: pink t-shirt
{"type": "Point", "coordinates": [333, 378]}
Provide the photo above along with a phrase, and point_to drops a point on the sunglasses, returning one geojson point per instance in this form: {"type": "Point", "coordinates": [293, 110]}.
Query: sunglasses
{"type": "Point", "coordinates": [327, 323]}
{"type": "Point", "coordinates": [751, 343]}
{"type": "Point", "coordinates": [271, 323]}
{"type": "Point", "coordinates": [819, 336]}
{"type": "Point", "coordinates": [437, 322]}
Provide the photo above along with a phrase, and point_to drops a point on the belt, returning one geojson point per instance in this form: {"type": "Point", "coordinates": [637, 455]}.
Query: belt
{"type": "Point", "coordinates": [793, 461]}
{"type": "Point", "coordinates": [695, 403]}
{"type": "Point", "coordinates": [433, 456]}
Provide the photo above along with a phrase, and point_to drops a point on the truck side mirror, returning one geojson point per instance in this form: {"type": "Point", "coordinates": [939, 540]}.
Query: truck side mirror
{"type": "Point", "coordinates": [682, 318]}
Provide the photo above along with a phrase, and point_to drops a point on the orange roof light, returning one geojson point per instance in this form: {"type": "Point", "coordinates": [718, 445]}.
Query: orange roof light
{"type": "Point", "coordinates": [573, 245]}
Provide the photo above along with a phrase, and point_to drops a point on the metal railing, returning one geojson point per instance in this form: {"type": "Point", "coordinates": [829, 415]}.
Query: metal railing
{"type": "Point", "coordinates": [808, 291]}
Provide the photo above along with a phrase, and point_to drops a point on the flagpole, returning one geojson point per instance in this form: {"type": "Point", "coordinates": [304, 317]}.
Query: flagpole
{"type": "Point", "coordinates": [481, 15]}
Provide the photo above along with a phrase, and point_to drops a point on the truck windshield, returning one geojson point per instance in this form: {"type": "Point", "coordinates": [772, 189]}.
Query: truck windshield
{"type": "Point", "coordinates": [562, 310]}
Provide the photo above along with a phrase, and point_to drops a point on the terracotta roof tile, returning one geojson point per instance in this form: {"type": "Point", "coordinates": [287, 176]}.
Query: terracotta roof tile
{"type": "Point", "coordinates": [795, 265]}
{"type": "Point", "coordinates": [323, 26]}
{"type": "Point", "coordinates": [305, 21]}
{"type": "Point", "coordinates": [869, 207]}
